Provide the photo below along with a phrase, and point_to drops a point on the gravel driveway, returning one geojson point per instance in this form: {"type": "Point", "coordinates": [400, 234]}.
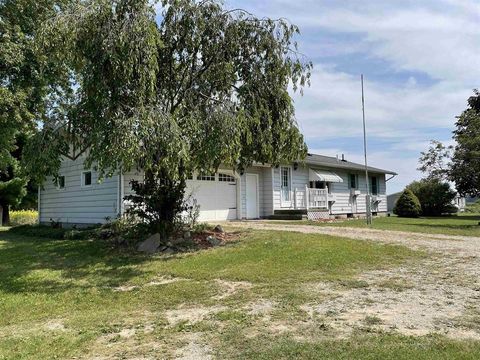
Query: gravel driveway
{"type": "Point", "coordinates": [439, 294]}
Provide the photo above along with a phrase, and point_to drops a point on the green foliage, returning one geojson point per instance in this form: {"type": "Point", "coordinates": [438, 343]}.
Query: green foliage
{"type": "Point", "coordinates": [25, 75]}
{"type": "Point", "coordinates": [435, 161]}
{"type": "Point", "coordinates": [158, 201]}
{"type": "Point", "coordinates": [204, 87]}
{"type": "Point", "coordinates": [407, 205]}
{"type": "Point", "coordinates": [39, 231]}
{"type": "Point", "coordinates": [465, 169]}
{"type": "Point", "coordinates": [23, 217]}
{"type": "Point", "coordinates": [435, 196]}
{"type": "Point", "coordinates": [473, 208]}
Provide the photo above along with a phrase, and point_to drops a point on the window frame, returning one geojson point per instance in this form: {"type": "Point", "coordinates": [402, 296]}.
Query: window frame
{"type": "Point", "coordinates": [226, 178]}
{"type": "Point", "coordinates": [376, 185]}
{"type": "Point", "coordinates": [206, 177]}
{"type": "Point", "coordinates": [83, 178]}
{"type": "Point", "coordinates": [350, 177]}
{"type": "Point", "coordinates": [59, 187]}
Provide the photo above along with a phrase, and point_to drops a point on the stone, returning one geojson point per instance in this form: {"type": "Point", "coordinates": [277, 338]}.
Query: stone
{"type": "Point", "coordinates": [105, 234]}
{"type": "Point", "coordinates": [175, 240]}
{"type": "Point", "coordinates": [187, 235]}
{"type": "Point", "coordinates": [150, 245]}
{"type": "Point", "coordinates": [219, 229]}
{"type": "Point", "coordinates": [214, 241]}
{"type": "Point", "coordinates": [168, 250]}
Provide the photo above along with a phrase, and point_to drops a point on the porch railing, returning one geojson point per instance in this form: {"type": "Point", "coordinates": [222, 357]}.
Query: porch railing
{"type": "Point", "coordinates": [308, 198]}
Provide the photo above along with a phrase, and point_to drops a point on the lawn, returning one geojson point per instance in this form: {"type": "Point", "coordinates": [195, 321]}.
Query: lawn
{"type": "Point", "coordinates": [78, 298]}
{"type": "Point", "coordinates": [465, 225]}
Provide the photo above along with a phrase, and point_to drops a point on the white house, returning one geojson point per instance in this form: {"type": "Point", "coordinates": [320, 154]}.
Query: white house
{"type": "Point", "coordinates": [318, 187]}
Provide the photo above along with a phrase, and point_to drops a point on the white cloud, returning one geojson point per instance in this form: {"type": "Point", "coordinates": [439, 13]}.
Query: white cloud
{"type": "Point", "coordinates": [332, 107]}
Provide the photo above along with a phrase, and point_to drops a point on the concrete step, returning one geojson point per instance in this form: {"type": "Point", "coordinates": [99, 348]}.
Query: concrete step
{"type": "Point", "coordinates": [290, 212]}
{"type": "Point", "coordinates": [288, 217]}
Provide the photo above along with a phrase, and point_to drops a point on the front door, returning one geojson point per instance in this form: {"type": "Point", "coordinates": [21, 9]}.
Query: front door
{"type": "Point", "coordinates": [285, 178]}
{"type": "Point", "coordinates": [252, 196]}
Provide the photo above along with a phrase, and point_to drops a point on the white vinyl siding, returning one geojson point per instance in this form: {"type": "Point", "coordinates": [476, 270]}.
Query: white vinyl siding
{"type": "Point", "coordinates": [342, 191]}
{"type": "Point", "coordinates": [77, 204]}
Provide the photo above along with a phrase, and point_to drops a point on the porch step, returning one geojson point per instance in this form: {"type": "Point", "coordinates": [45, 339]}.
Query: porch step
{"type": "Point", "coordinates": [290, 212]}
{"type": "Point", "coordinates": [288, 217]}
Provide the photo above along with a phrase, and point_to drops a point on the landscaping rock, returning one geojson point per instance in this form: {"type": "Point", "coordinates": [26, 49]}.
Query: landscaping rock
{"type": "Point", "coordinates": [214, 241]}
{"type": "Point", "coordinates": [150, 245]}
{"type": "Point", "coordinates": [105, 234]}
{"type": "Point", "coordinates": [219, 229]}
{"type": "Point", "coordinates": [168, 250]}
{"type": "Point", "coordinates": [176, 240]}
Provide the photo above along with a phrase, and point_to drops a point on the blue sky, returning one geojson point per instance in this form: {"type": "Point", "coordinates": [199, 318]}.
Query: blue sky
{"type": "Point", "coordinates": [420, 59]}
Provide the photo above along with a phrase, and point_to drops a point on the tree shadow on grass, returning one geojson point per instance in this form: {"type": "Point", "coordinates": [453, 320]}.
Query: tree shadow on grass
{"type": "Point", "coordinates": [29, 264]}
{"type": "Point", "coordinates": [453, 217]}
{"type": "Point", "coordinates": [460, 229]}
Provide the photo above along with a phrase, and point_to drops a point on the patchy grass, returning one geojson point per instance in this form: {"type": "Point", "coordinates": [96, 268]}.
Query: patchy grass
{"type": "Point", "coordinates": [360, 346]}
{"type": "Point", "coordinates": [464, 225]}
{"type": "Point", "coordinates": [65, 298]}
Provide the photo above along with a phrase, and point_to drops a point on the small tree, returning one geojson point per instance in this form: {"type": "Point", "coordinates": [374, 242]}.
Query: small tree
{"type": "Point", "coordinates": [407, 205]}
{"type": "Point", "coordinates": [434, 195]}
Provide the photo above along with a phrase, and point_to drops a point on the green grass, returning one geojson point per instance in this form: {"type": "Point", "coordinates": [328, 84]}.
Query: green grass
{"type": "Point", "coordinates": [359, 346]}
{"type": "Point", "coordinates": [465, 225]}
{"type": "Point", "coordinates": [72, 284]}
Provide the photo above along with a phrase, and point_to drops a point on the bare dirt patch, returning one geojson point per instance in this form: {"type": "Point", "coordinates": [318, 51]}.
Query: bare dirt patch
{"type": "Point", "coordinates": [55, 325]}
{"type": "Point", "coordinates": [195, 349]}
{"type": "Point", "coordinates": [191, 314]}
{"type": "Point", "coordinates": [230, 288]}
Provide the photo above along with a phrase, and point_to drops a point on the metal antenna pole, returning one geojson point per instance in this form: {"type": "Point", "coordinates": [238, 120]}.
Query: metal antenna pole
{"type": "Point", "coordinates": [368, 199]}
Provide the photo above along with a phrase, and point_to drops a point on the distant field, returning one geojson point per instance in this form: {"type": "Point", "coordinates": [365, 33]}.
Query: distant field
{"type": "Point", "coordinates": [466, 225]}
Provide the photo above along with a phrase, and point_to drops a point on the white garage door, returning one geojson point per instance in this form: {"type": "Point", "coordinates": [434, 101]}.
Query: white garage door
{"type": "Point", "coordinates": [216, 195]}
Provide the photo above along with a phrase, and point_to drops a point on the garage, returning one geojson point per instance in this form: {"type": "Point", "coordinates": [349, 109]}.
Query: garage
{"type": "Point", "coordinates": [216, 194]}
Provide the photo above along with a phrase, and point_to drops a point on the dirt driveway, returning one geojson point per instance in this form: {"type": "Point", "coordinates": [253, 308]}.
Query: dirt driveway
{"type": "Point", "coordinates": [439, 294]}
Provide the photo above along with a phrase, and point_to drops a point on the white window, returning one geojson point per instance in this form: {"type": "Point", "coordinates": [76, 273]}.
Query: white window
{"type": "Point", "coordinates": [285, 177]}
{"type": "Point", "coordinates": [61, 182]}
{"type": "Point", "coordinates": [226, 178]}
{"type": "Point", "coordinates": [206, 177]}
{"type": "Point", "coordinates": [86, 178]}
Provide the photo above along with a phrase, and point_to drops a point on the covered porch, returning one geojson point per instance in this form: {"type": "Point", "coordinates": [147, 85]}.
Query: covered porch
{"type": "Point", "coordinates": [316, 195]}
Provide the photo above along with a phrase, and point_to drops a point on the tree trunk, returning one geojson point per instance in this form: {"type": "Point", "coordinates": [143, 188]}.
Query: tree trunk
{"type": "Point", "coordinates": [158, 200]}
{"type": "Point", "coordinates": [5, 215]}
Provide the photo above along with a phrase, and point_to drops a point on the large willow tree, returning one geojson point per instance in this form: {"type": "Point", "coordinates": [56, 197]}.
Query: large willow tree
{"type": "Point", "coordinates": [187, 88]}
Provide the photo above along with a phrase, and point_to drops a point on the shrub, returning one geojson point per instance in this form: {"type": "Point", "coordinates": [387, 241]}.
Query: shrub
{"type": "Point", "coordinates": [23, 217]}
{"type": "Point", "coordinates": [435, 196]}
{"type": "Point", "coordinates": [39, 231]}
{"type": "Point", "coordinates": [407, 205]}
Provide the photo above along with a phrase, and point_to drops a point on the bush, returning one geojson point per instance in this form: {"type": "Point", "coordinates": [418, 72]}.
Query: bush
{"type": "Point", "coordinates": [23, 217]}
{"type": "Point", "coordinates": [39, 231]}
{"type": "Point", "coordinates": [45, 231]}
{"type": "Point", "coordinates": [435, 196]}
{"type": "Point", "coordinates": [407, 205]}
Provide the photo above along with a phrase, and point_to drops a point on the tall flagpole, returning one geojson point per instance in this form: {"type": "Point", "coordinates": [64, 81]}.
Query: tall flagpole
{"type": "Point", "coordinates": [367, 199]}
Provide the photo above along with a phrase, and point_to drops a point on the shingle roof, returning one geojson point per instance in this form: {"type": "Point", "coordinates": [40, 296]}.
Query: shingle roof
{"type": "Point", "coordinates": [333, 162]}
